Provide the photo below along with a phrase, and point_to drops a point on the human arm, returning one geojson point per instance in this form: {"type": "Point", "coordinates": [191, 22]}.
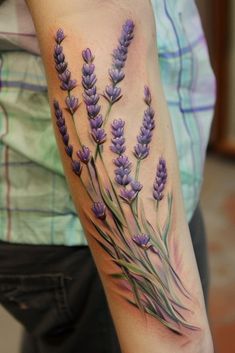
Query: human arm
{"type": "Point", "coordinates": [142, 249]}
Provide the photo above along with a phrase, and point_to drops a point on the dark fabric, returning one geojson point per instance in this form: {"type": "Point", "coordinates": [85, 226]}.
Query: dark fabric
{"type": "Point", "coordinates": [55, 292]}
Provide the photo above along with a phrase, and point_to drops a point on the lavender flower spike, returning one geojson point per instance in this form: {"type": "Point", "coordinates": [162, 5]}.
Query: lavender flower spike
{"type": "Point", "coordinates": [99, 210]}
{"type": "Point", "coordinates": [123, 170]}
{"type": "Point", "coordinates": [141, 149]}
{"type": "Point", "coordinates": [160, 180]}
{"type": "Point", "coordinates": [67, 84]}
{"type": "Point", "coordinates": [116, 73]}
{"type": "Point", "coordinates": [60, 122]}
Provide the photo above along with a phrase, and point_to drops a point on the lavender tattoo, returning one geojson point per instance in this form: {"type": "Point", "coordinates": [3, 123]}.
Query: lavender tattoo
{"type": "Point", "coordinates": [128, 237]}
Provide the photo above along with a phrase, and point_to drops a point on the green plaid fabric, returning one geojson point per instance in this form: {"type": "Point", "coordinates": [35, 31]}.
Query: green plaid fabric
{"type": "Point", "coordinates": [35, 204]}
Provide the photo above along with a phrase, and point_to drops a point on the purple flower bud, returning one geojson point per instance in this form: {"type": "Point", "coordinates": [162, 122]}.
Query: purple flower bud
{"type": "Point", "coordinates": [59, 36]}
{"type": "Point", "coordinates": [77, 167]}
{"type": "Point", "coordinates": [145, 136]}
{"type": "Point", "coordinates": [59, 58]}
{"type": "Point", "coordinates": [91, 100]}
{"type": "Point", "coordinates": [122, 161]}
{"type": "Point", "coordinates": [91, 91]}
{"type": "Point", "coordinates": [65, 76]}
{"type": "Point", "coordinates": [99, 135]}
{"type": "Point", "coordinates": [116, 75]}
{"type": "Point", "coordinates": [87, 56]}
{"type": "Point", "coordinates": [84, 154]}
{"type": "Point", "coordinates": [136, 186]}
{"type": "Point", "coordinates": [88, 69]}
{"type": "Point", "coordinates": [93, 110]}
{"type": "Point", "coordinates": [72, 103]}
{"type": "Point", "coordinates": [65, 139]}
{"type": "Point", "coordinates": [122, 179]}
{"type": "Point", "coordinates": [112, 93]}
{"type": "Point", "coordinates": [68, 86]}
{"type": "Point", "coordinates": [61, 67]}
{"type": "Point", "coordinates": [56, 104]}
{"type": "Point", "coordinates": [118, 146]}
{"type": "Point", "coordinates": [142, 240]}
{"type": "Point", "coordinates": [128, 195]}
{"type": "Point", "coordinates": [147, 96]}
{"type": "Point", "coordinates": [58, 49]}
{"type": "Point", "coordinates": [69, 150]}
{"type": "Point", "coordinates": [88, 81]}
{"type": "Point", "coordinates": [160, 180]}
{"type": "Point", "coordinates": [99, 210]}
{"type": "Point", "coordinates": [60, 122]}
{"type": "Point", "coordinates": [96, 122]}
{"type": "Point", "coordinates": [118, 55]}
{"type": "Point", "coordinates": [141, 151]}
{"type": "Point", "coordinates": [63, 130]}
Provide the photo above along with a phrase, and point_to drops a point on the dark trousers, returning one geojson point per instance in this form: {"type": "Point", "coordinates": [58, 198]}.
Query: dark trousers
{"type": "Point", "coordinates": [55, 292]}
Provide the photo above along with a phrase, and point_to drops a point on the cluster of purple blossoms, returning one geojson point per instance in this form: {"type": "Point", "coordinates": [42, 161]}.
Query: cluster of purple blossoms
{"type": "Point", "coordinates": [118, 140]}
{"type": "Point", "coordinates": [84, 154]}
{"type": "Point", "coordinates": [60, 122]}
{"type": "Point", "coordinates": [99, 210]}
{"type": "Point", "coordinates": [91, 97]}
{"type": "Point", "coordinates": [122, 163]}
{"type": "Point", "coordinates": [160, 180]}
{"type": "Point", "coordinates": [141, 149]}
{"type": "Point", "coordinates": [112, 92]}
{"type": "Point", "coordinates": [67, 84]}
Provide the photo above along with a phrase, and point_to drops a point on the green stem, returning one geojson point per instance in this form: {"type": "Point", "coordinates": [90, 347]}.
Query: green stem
{"type": "Point", "coordinates": [107, 114]}
{"type": "Point", "coordinates": [137, 171]}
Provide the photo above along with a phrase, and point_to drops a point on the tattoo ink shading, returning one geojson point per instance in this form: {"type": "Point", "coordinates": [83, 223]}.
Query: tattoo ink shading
{"type": "Point", "coordinates": [137, 248]}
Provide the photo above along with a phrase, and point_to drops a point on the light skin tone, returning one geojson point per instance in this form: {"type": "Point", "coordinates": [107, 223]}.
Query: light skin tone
{"type": "Point", "coordinates": [97, 25]}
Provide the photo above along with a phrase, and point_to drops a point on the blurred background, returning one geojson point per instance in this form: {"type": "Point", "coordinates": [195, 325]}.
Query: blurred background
{"type": "Point", "coordinates": [218, 193]}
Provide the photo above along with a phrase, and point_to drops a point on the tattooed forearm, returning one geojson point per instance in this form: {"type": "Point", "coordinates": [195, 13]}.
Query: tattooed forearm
{"type": "Point", "coordinates": [139, 249]}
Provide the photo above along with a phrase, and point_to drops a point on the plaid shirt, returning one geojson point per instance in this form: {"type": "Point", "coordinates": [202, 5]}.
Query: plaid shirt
{"type": "Point", "coordinates": [35, 204]}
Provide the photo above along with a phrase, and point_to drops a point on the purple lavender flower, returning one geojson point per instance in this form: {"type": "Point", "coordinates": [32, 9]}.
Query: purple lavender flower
{"type": "Point", "coordinates": [72, 103]}
{"type": "Point", "coordinates": [142, 240]}
{"type": "Point", "coordinates": [160, 180]}
{"type": "Point", "coordinates": [87, 56]}
{"type": "Point", "coordinates": [69, 150]}
{"type": "Point", "coordinates": [116, 75]}
{"type": "Point", "coordinates": [99, 210]}
{"type": "Point", "coordinates": [59, 37]}
{"type": "Point", "coordinates": [123, 170]}
{"type": "Point", "coordinates": [60, 122]}
{"type": "Point", "coordinates": [84, 154]}
{"type": "Point", "coordinates": [77, 167]}
{"type": "Point", "coordinates": [122, 161]}
{"type": "Point", "coordinates": [136, 186]}
{"type": "Point", "coordinates": [99, 135]}
{"type": "Point", "coordinates": [91, 98]}
{"type": "Point", "coordinates": [128, 195]}
{"type": "Point", "coordinates": [96, 122]}
{"type": "Point", "coordinates": [67, 84]}
{"type": "Point", "coordinates": [113, 93]}
{"type": "Point", "coordinates": [118, 140]}
{"type": "Point", "coordinates": [93, 110]}
{"type": "Point", "coordinates": [141, 149]}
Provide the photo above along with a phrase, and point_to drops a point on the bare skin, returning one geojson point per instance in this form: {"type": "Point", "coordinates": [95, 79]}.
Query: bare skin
{"type": "Point", "coordinates": [98, 27]}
